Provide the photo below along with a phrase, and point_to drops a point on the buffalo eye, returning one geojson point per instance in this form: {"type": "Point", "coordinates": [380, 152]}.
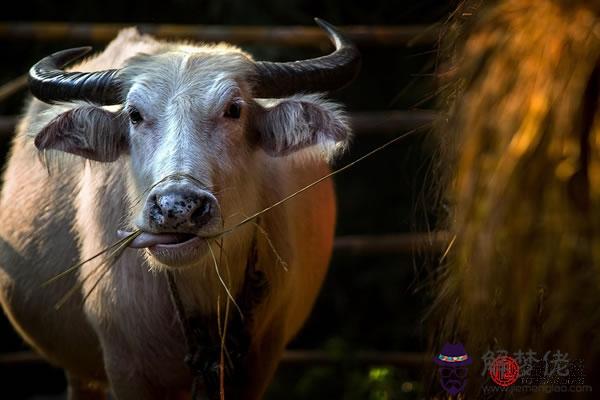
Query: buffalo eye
{"type": "Point", "coordinates": [134, 116]}
{"type": "Point", "coordinates": [233, 111]}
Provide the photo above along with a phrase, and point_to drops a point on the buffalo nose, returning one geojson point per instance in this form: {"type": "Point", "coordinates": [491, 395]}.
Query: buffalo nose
{"type": "Point", "coordinates": [181, 210]}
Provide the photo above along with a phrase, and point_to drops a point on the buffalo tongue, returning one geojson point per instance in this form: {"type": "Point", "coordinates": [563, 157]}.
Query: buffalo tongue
{"type": "Point", "coordinates": [147, 239]}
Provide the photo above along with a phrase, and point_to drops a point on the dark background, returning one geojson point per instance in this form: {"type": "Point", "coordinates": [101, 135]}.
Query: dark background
{"type": "Point", "coordinates": [367, 302]}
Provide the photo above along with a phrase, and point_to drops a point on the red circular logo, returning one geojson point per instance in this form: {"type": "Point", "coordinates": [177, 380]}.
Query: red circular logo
{"type": "Point", "coordinates": [504, 371]}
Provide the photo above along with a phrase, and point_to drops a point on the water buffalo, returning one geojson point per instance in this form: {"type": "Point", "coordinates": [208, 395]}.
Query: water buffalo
{"type": "Point", "coordinates": [177, 141]}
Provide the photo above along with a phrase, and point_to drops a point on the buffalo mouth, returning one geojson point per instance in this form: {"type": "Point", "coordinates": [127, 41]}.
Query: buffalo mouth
{"type": "Point", "coordinates": [171, 248]}
{"type": "Point", "coordinates": [148, 239]}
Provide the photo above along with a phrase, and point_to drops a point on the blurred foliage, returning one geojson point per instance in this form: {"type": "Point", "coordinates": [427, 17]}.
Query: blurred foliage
{"type": "Point", "coordinates": [347, 382]}
{"type": "Point", "coordinates": [367, 303]}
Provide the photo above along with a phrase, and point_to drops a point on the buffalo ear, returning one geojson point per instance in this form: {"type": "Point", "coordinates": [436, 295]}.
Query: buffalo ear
{"type": "Point", "coordinates": [300, 122]}
{"type": "Point", "coordinates": [90, 132]}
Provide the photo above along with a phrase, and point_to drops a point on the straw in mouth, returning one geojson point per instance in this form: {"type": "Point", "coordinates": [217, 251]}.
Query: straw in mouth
{"type": "Point", "coordinates": [148, 239]}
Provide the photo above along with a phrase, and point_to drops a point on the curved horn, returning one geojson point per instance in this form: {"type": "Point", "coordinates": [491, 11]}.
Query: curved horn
{"type": "Point", "coordinates": [329, 72]}
{"type": "Point", "coordinates": [49, 83]}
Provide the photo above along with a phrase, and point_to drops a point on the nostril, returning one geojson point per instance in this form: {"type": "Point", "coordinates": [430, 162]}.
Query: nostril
{"type": "Point", "coordinates": [156, 215]}
{"type": "Point", "coordinates": [202, 213]}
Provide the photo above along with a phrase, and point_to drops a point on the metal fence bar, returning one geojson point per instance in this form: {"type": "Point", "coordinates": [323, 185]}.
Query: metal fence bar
{"type": "Point", "coordinates": [10, 88]}
{"type": "Point", "coordinates": [21, 358]}
{"type": "Point", "coordinates": [363, 123]}
{"type": "Point", "coordinates": [404, 243]}
{"type": "Point", "coordinates": [390, 122]}
{"type": "Point", "coordinates": [274, 35]}
{"type": "Point", "coordinates": [290, 357]}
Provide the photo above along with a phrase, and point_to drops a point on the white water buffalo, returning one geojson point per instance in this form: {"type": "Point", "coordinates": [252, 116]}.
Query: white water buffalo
{"type": "Point", "coordinates": [182, 143]}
